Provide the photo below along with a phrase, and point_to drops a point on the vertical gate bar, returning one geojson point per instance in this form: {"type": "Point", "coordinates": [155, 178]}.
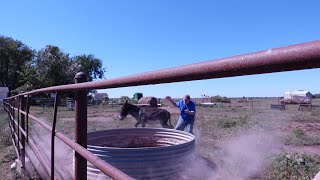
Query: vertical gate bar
{"type": "Point", "coordinates": [23, 138]}
{"type": "Point", "coordinates": [18, 128]}
{"type": "Point", "coordinates": [53, 132]}
{"type": "Point", "coordinates": [80, 170]}
{"type": "Point", "coordinates": [10, 118]}
{"type": "Point", "coordinates": [27, 119]}
{"type": "Point", "coordinates": [14, 124]}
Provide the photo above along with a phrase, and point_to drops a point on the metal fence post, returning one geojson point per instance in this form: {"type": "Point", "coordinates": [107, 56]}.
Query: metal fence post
{"type": "Point", "coordinates": [23, 138]}
{"type": "Point", "coordinates": [80, 170]}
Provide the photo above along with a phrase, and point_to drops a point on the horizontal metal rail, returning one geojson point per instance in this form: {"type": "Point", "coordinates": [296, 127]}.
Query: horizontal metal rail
{"type": "Point", "coordinates": [294, 57]}
{"type": "Point", "coordinates": [40, 157]}
{"type": "Point", "coordinates": [21, 130]}
{"type": "Point", "coordinates": [16, 137]}
{"type": "Point", "coordinates": [100, 164]}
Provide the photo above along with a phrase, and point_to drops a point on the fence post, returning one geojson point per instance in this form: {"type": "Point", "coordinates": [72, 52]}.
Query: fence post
{"type": "Point", "coordinates": [23, 138]}
{"type": "Point", "coordinates": [80, 169]}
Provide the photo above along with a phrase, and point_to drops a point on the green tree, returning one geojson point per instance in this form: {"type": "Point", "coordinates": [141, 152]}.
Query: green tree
{"type": "Point", "coordinates": [123, 99]}
{"type": "Point", "coordinates": [88, 64]}
{"type": "Point", "coordinates": [52, 67]}
{"type": "Point", "coordinates": [14, 56]}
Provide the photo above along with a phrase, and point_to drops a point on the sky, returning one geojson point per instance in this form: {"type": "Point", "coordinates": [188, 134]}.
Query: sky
{"type": "Point", "coordinates": [132, 37]}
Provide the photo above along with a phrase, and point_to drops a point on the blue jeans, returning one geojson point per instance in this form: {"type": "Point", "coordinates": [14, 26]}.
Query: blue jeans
{"type": "Point", "coordinates": [182, 124]}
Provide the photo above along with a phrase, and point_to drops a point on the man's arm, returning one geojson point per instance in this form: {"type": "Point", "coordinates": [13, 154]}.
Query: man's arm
{"type": "Point", "coordinates": [191, 112]}
{"type": "Point", "coordinates": [171, 101]}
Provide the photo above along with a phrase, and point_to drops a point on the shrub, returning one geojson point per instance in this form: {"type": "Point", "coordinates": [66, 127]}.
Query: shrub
{"type": "Point", "coordinates": [298, 137]}
{"type": "Point", "coordinates": [123, 99]}
{"type": "Point", "coordinates": [298, 133]}
{"type": "Point", "coordinates": [220, 99]}
{"type": "Point", "coordinates": [232, 122]}
{"type": "Point", "coordinates": [293, 166]}
{"type": "Point", "coordinates": [5, 138]}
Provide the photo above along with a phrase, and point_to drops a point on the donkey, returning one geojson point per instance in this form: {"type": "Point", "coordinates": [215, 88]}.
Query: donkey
{"type": "Point", "coordinates": [146, 115]}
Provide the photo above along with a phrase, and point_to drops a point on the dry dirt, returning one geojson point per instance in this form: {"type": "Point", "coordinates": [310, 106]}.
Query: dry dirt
{"type": "Point", "coordinates": [227, 149]}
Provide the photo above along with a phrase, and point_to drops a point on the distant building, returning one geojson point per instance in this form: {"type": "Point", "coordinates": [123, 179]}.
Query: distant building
{"type": "Point", "coordinates": [300, 96]}
{"type": "Point", "coordinates": [97, 96]}
{"type": "Point", "coordinates": [3, 93]}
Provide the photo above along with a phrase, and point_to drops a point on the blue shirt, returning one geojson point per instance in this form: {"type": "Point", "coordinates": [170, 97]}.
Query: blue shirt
{"type": "Point", "coordinates": [190, 106]}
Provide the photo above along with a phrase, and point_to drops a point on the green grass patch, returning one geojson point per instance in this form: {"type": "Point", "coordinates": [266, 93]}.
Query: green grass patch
{"type": "Point", "coordinates": [229, 122]}
{"type": "Point", "coordinates": [5, 138]}
{"type": "Point", "coordinates": [299, 137]}
{"type": "Point", "coordinates": [9, 155]}
{"type": "Point", "coordinates": [293, 166]}
{"type": "Point", "coordinates": [298, 133]}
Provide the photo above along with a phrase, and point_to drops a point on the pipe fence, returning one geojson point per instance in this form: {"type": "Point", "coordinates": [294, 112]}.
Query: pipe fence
{"type": "Point", "coordinates": [294, 57]}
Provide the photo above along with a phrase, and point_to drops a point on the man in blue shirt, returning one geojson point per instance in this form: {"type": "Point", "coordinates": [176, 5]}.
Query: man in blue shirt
{"type": "Point", "coordinates": [187, 113]}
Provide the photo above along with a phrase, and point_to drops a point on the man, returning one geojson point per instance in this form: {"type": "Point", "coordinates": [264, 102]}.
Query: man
{"type": "Point", "coordinates": [187, 113]}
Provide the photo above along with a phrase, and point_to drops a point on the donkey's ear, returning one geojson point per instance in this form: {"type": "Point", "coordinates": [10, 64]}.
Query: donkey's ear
{"type": "Point", "coordinates": [126, 102]}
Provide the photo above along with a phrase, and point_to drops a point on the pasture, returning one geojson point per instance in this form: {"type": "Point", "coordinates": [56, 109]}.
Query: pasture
{"type": "Point", "coordinates": [241, 140]}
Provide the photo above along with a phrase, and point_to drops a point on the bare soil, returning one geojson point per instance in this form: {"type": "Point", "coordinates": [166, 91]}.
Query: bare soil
{"type": "Point", "coordinates": [237, 140]}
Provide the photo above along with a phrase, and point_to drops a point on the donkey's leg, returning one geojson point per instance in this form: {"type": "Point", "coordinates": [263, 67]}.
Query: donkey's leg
{"type": "Point", "coordinates": [140, 121]}
{"type": "Point", "coordinates": [143, 122]}
{"type": "Point", "coordinates": [137, 124]}
{"type": "Point", "coordinates": [164, 123]}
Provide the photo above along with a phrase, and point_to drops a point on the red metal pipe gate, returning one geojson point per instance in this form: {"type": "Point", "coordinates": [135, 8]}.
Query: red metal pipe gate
{"type": "Point", "coordinates": [294, 57]}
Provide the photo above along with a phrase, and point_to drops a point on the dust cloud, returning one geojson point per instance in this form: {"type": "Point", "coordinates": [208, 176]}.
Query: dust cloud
{"type": "Point", "coordinates": [63, 153]}
{"type": "Point", "coordinates": [239, 158]}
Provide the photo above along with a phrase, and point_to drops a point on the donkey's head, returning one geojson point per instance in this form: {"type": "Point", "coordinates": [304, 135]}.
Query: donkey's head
{"type": "Point", "coordinates": [124, 110]}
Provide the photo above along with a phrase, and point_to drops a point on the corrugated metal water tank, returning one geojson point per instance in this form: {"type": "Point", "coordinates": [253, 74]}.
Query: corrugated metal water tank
{"type": "Point", "coordinates": [142, 153]}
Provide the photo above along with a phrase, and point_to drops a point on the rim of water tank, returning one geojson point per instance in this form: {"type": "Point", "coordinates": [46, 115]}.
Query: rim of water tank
{"type": "Point", "coordinates": [145, 148]}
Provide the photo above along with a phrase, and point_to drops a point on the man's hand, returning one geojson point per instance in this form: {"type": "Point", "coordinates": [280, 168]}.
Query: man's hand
{"type": "Point", "coordinates": [189, 112]}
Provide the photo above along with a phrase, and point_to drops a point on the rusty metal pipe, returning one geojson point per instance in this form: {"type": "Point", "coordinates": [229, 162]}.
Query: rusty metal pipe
{"type": "Point", "coordinates": [40, 157]}
{"type": "Point", "coordinates": [27, 116]}
{"type": "Point", "coordinates": [106, 168]}
{"type": "Point", "coordinates": [18, 127]}
{"type": "Point", "coordinates": [80, 163]}
{"type": "Point", "coordinates": [15, 148]}
{"type": "Point", "coordinates": [15, 138]}
{"type": "Point", "coordinates": [53, 134]}
{"type": "Point", "coordinates": [22, 131]}
{"type": "Point", "coordinates": [100, 164]}
{"type": "Point", "coordinates": [294, 57]}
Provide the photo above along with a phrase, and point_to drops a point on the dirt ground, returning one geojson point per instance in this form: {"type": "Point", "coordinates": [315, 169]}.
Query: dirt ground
{"type": "Point", "coordinates": [237, 141]}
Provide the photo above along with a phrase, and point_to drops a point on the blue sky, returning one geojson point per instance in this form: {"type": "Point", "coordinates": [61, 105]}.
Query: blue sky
{"type": "Point", "coordinates": [144, 35]}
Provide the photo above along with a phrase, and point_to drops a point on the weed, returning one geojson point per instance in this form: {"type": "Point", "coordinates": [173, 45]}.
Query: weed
{"type": "Point", "coordinates": [9, 155]}
{"type": "Point", "coordinates": [4, 131]}
{"type": "Point", "coordinates": [298, 133]}
{"type": "Point", "coordinates": [298, 137]}
{"type": "Point", "coordinates": [229, 122]}
{"type": "Point", "coordinates": [293, 166]}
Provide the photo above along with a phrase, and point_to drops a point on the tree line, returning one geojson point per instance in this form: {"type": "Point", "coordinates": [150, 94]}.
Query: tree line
{"type": "Point", "coordinates": [23, 68]}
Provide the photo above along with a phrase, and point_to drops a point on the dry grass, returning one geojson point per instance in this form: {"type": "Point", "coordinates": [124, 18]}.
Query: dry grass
{"type": "Point", "coordinates": [236, 138]}
{"type": "Point", "coordinates": [293, 166]}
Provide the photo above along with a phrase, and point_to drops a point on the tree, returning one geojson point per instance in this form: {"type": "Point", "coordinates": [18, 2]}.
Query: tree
{"type": "Point", "coordinates": [53, 67]}
{"type": "Point", "coordinates": [14, 56]}
{"type": "Point", "coordinates": [316, 96]}
{"type": "Point", "coordinates": [123, 99]}
{"type": "Point", "coordinates": [23, 69]}
{"type": "Point", "coordinates": [220, 99]}
{"type": "Point", "coordinates": [88, 64]}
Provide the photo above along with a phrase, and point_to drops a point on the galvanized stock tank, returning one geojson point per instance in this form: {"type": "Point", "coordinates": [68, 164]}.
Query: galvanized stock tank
{"type": "Point", "coordinates": [142, 153]}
